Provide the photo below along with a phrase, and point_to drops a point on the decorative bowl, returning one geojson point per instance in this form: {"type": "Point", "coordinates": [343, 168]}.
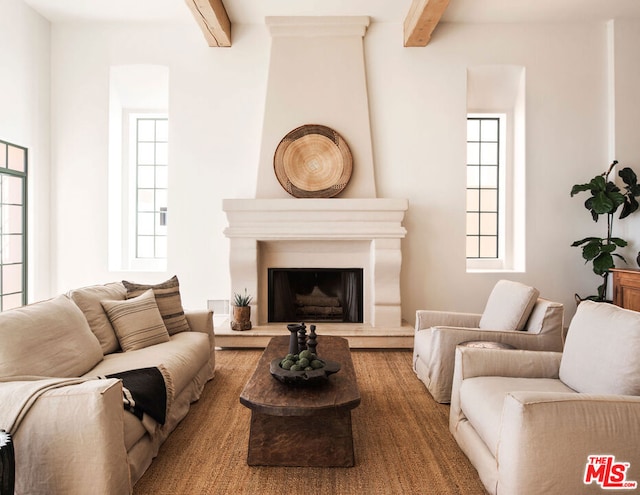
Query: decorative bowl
{"type": "Point", "coordinates": [303, 378]}
{"type": "Point", "coordinates": [313, 161]}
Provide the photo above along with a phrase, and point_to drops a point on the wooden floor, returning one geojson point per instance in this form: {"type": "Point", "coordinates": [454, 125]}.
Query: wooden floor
{"type": "Point", "coordinates": [360, 336]}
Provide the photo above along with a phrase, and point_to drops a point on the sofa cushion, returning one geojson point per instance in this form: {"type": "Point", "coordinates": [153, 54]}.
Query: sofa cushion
{"type": "Point", "coordinates": [168, 300]}
{"type": "Point", "coordinates": [509, 306]}
{"type": "Point", "coordinates": [183, 356]}
{"type": "Point", "coordinates": [601, 350]}
{"type": "Point", "coordinates": [137, 321]}
{"type": "Point", "coordinates": [88, 300]}
{"type": "Point", "coordinates": [48, 338]}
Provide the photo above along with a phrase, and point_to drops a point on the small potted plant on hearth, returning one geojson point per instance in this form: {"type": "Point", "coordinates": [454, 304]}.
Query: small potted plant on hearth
{"type": "Point", "coordinates": [241, 311]}
{"type": "Point", "coordinates": [605, 199]}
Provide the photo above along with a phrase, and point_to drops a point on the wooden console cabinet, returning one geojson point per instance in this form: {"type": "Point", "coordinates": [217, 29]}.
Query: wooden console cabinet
{"type": "Point", "coordinates": [626, 288]}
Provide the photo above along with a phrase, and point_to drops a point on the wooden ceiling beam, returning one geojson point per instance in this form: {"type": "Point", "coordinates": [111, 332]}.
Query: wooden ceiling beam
{"type": "Point", "coordinates": [213, 20]}
{"type": "Point", "coordinates": [422, 19]}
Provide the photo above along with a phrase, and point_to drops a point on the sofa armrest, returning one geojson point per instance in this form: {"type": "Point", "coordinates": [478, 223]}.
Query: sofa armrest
{"type": "Point", "coordinates": [444, 340]}
{"type": "Point", "coordinates": [71, 440]}
{"type": "Point", "coordinates": [560, 432]}
{"type": "Point", "coordinates": [471, 362]}
{"type": "Point", "coordinates": [202, 321]}
{"type": "Point", "coordinates": [429, 318]}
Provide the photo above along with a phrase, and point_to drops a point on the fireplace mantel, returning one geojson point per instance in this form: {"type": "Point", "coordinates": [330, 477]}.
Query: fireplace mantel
{"type": "Point", "coordinates": [277, 219]}
{"type": "Point", "coordinates": [315, 233]}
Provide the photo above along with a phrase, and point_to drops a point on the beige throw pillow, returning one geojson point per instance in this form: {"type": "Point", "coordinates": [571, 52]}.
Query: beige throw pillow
{"type": "Point", "coordinates": [88, 300]}
{"type": "Point", "coordinates": [168, 300]}
{"type": "Point", "coordinates": [137, 321]}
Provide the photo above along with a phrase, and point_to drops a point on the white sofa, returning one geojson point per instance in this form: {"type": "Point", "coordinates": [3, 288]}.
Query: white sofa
{"type": "Point", "coordinates": [71, 432]}
{"type": "Point", "coordinates": [529, 421]}
{"type": "Point", "coordinates": [514, 314]}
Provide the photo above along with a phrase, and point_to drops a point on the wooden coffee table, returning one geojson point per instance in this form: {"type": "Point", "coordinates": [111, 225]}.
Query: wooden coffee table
{"type": "Point", "coordinates": [302, 426]}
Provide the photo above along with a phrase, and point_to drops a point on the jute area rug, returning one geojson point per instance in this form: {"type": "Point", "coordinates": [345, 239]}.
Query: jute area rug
{"type": "Point", "coordinates": [401, 439]}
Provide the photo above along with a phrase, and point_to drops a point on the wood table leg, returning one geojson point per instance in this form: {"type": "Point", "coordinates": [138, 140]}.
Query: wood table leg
{"type": "Point", "coordinates": [321, 440]}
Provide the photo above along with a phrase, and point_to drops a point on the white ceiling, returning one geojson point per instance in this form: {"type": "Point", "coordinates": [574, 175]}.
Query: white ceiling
{"type": "Point", "coordinates": [254, 11]}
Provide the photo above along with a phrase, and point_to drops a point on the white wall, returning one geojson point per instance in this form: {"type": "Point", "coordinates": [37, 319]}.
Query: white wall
{"type": "Point", "coordinates": [625, 70]}
{"type": "Point", "coordinates": [215, 112]}
{"type": "Point", "coordinates": [24, 120]}
{"type": "Point", "coordinates": [419, 133]}
{"type": "Point", "coordinates": [417, 99]}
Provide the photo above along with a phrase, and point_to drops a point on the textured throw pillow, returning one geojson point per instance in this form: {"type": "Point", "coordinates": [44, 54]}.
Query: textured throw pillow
{"type": "Point", "coordinates": [509, 306]}
{"type": "Point", "coordinates": [168, 300]}
{"type": "Point", "coordinates": [88, 300]}
{"type": "Point", "coordinates": [137, 321]}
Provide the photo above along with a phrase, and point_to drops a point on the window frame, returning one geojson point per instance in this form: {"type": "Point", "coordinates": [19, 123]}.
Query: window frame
{"type": "Point", "coordinates": [23, 176]}
{"type": "Point", "coordinates": [504, 166]}
{"type": "Point", "coordinates": [130, 236]}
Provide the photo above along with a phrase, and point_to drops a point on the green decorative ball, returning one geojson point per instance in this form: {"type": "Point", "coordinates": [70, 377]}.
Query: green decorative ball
{"type": "Point", "coordinates": [286, 364]}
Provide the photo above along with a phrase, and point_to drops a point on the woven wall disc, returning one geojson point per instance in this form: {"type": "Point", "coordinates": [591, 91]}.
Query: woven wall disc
{"type": "Point", "coordinates": [313, 161]}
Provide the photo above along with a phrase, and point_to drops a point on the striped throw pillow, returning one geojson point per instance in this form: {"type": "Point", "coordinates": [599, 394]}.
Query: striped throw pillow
{"type": "Point", "coordinates": [137, 321]}
{"type": "Point", "coordinates": [168, 300]}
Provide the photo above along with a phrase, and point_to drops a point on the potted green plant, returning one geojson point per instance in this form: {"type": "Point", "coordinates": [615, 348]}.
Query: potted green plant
{"type": "Point", "coordinates": [241, 311]}
{"type": "Point", "coordinates": [605, 199]}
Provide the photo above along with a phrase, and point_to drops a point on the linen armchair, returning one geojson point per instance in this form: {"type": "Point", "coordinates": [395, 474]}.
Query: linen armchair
{"type": "Point", "coordinates": [514, 314]}
{"type": "Point", "coordinates": [547, 422]}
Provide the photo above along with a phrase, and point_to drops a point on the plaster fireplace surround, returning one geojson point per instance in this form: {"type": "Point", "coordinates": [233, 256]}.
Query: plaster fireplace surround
{"type": "Point", "coordinates": [317, 75]}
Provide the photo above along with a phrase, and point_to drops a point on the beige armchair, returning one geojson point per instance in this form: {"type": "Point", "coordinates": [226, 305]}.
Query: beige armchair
{"type": "Point", "coordinates": [514, 314]}
{"type": "Point", "coordinates": [547, 422]}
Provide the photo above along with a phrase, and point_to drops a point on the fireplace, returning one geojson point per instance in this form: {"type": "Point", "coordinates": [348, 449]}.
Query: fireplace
{"type": "Point", "coordinates": [315, 295]}
{"type": "Point", "coordinates": [319, 233]}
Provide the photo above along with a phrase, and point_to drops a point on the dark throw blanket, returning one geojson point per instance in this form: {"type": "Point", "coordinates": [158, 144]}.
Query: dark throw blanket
{"type": "Point", "coordinates": [144, 391]}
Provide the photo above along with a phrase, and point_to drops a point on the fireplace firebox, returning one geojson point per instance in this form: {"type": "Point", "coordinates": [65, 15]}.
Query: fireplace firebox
{"type": "Point", "coordinates": [315, 294]}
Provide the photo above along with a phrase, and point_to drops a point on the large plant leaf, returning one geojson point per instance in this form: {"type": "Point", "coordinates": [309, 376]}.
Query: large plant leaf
{"type": "Point", "coordinates": [608, 248]}
{"type": "Point", "coordinates": [588, 204]}
{"type": "Point", "coordinates": [616, 197]}
{"type": "Point", "coordinates": [603, 263]}
{"type": "Point", "coordinates": [598, 183]}
{"type": "Point", "coordinates": [591, 251]}
{"type": "Point", "coordinates": [602, 203]}
{"type": "Point", "coordinates": [586, 239]}
{"type": "Point", "coordinates": [630, 205]}
{"type": "Point", "coordinates": [579, 188]}
{"type": "Point", "coordinates": [618, 242]}
{"type": "Point", "coordinates": [619, 256]}
{"type": "Point", "coordinates": [628, 176]}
